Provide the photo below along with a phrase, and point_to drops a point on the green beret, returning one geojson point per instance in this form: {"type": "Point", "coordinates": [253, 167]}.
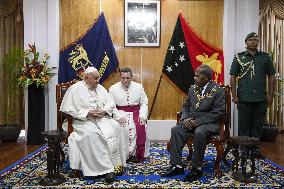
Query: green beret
{"type": "Point", "coordinates": [252, 34]}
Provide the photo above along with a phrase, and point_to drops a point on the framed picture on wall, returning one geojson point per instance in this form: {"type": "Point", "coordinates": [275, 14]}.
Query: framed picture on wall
{"type": "Point", "coordinates": [142, 23]}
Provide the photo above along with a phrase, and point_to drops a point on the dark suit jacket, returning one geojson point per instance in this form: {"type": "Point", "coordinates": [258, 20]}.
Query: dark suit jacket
{"type": "Point", "coordinates": [208, 109]}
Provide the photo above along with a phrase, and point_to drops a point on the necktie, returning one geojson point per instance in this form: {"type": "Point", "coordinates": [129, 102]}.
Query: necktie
{"type": "Point", "coordinates": [201, 91]}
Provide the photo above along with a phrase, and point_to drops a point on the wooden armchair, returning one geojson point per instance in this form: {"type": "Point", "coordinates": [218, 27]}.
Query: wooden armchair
{"type": "Point", "coordinates": [60, 92]}
{"type": "Point", "coordinates": [219, 141]}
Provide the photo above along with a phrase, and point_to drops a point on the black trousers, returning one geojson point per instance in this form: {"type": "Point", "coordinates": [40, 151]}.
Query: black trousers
{"type": "Point", "coordinates": [251, 118]}
{"type": "Point", "coordinates": [179, 136]}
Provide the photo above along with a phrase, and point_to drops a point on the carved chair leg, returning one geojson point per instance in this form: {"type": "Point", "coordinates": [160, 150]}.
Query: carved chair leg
{"type": "Point", "coordinates": [252, 159]}
{"type": "Point", "coordinates": [168, 146]}
{"type": "Point", "coordinates": [189, 157]}
{"type": "Point", "coordinates": [227, 150]}
{"type": "Point", "coordinates": [220, 155]}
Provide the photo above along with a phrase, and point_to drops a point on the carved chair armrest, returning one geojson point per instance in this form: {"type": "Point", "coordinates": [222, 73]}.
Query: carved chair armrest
{"type": "Point", "coordinates": [63, 117]}
{"type": "Point", "coordinates": [178, 116]}
{"type": "Point", "coordinates": [69, 124]}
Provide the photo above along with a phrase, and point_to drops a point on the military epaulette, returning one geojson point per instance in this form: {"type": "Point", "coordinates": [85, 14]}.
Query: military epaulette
{"type": "Point", "coordinates": [240, 53]}
{"type": "Point", "coordinates": [261, 52]}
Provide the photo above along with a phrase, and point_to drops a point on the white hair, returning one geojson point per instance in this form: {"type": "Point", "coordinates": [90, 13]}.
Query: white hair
{"type": "Point", "coordinates": [90, 70]}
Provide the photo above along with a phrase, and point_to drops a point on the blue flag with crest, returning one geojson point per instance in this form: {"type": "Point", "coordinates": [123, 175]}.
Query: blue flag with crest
{"type": "Point", "coordinates": [94, 48]}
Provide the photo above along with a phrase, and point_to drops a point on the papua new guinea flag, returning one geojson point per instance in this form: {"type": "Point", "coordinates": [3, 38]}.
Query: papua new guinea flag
{"type": "Point", "coordinates": [186, 51]}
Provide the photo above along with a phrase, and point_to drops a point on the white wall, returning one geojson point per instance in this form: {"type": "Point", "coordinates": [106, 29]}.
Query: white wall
{"type": "Point", "coordinates": [240, 18]}
{"type": "Point", "coordinates": [41, 26]}
{"type": "Point", "coordinates": [160, 129]}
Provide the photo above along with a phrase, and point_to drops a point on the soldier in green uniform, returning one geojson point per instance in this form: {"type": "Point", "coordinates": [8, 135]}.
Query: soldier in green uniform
{"type": "Point", "coordinates": [249, 72]}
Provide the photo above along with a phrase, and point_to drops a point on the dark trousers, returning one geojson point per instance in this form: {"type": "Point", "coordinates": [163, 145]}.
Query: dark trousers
{"type": "Point", "coordinates": [251, 118]}
{"type": "Point", "coordinates": [179, 136]}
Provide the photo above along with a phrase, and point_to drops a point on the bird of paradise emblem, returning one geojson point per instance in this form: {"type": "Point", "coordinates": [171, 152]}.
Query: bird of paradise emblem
{"type": "Point", "coordinates": [212, 62]}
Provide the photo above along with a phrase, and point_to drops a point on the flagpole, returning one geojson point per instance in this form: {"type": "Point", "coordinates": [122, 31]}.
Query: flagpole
{"type": "Point", "coordinates": [100, 6]}
{"type": "Point", "coordinates": [154, 100]}
{"type": "Point", "coordinates": [141, 64]}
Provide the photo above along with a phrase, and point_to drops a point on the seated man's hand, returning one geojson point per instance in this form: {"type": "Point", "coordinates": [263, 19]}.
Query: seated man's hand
{"type": "Point", "coordinates": [142, 121]}
{"type": "Point", "coordinates": [189, 123]}
{"type": "Point", "coordinates": [101, 113]}
{"type": "Point", "coordinates": [95, 113]}
{"type": "Point", "coordinates": [186, 124]}
{"type": "Point", "coordinates": [193, 122]}
{"type": "Point", "coordinates": [92, 113]}
{"type": "Point", "coordinates": [122, 121]}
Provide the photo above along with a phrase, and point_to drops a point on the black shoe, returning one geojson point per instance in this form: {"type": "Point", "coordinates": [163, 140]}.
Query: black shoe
{"type": "Point", "coordinates": [258, 155]}
{"type": "Point", "coordinates": [138, 160]}
{"type": "Point", "coordinates": [119, 173]}
{"type": "Point", "coordinates": [110, 177]}
{"type": "Point", "coordinates": [134, 159]}
{"type": "Point", "coordinates": [174, 170]}
{"type": "Point", "coordinates": [194, 175]}
{"type": "Point", "coordinates": [130, 160]}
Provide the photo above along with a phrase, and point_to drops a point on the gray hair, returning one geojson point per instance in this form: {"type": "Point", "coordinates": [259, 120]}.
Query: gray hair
{"type": "Point", "coordinates": [126, 70]}
{"type": "Point", "coordinates": [205, 70]}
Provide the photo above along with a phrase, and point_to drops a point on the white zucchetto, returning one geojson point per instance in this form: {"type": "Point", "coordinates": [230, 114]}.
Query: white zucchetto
{"type": "Point", "coordinates": [90, 70]}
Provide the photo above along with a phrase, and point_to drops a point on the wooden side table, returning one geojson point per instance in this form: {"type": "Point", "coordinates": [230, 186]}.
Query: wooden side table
{"type": "Point", "coordinates": [55, 157]}
{"type": "Point", "coordinates": [244, 151]}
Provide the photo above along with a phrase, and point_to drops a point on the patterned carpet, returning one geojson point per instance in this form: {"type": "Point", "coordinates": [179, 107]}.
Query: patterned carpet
{"type": "Point", "coordinates": [27, 172]}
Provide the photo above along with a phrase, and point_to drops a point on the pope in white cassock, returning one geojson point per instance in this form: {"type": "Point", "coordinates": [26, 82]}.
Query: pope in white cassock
{"type": "Point", "coordinates": [95, 146]}
{"type": "Point", "coordinates": [132, 104]}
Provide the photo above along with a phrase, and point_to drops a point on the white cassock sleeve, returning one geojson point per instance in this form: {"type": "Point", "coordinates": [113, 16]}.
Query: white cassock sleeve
{"type": "Point", "coordinates": [73, 105]}
{"type": "Point", "coordinates": [116, 114]}
{"type": "Point", "coordinates": [143, 113]}
{"type": "Point", "coordinates": [109, 102]}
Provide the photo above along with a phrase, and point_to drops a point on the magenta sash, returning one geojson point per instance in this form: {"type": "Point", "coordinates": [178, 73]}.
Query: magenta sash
{"type": "Point", "coordinates": [140, 129]}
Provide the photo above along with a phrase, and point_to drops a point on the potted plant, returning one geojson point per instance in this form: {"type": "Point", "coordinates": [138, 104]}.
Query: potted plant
{"type": "Point", "coordinates": [34, 75]}
{"type": "Point", "coordinates": [11, 69]}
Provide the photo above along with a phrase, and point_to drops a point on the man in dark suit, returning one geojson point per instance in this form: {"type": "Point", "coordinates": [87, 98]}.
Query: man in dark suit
{"type": "Point", "coordinates": [201, 114]}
